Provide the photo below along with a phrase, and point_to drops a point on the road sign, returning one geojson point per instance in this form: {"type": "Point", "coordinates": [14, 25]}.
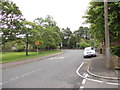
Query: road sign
{"type": "Point", "coordinates": [37, 43]}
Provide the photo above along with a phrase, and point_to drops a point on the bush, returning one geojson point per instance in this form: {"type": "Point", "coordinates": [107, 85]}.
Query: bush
{"type": "Point", "coordinates": [115, 50]}
{"type": "Point", "coordinates": [58, 47]}
{"type": "Point", "coordinates": [84, 44]}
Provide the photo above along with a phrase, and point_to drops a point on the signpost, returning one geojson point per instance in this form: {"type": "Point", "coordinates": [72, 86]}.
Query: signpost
{"type": "Point", "coordinates": [37, 43]}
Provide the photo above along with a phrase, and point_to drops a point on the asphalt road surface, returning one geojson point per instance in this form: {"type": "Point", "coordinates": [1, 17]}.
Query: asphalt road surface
{"type": "Point", "coordinates": [55, 72]}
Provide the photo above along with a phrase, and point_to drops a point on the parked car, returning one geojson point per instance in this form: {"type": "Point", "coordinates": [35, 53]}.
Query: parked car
{"type": "Point", "coordinates": [89, 52]}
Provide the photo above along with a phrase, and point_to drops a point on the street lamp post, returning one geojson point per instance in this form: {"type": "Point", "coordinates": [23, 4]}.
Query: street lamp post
{"type": "Point", "coordinates": [107, 41]}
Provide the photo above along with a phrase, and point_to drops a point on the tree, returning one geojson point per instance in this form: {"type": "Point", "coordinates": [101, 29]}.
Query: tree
{"type": "Point", "coordinates": [31, 33]}
{"type": "Point", "coordinates": [95, 16]}
{"type": "Point", "coordinates": [51, 37]}
{"type": "Point", "coordinates": [72, 41]}
{"type": "Point", "coordinates": [10, 20]}
{"type": "Point", "coordinates": [66, 35]}
{"type": "Point", "coordinates": [81, 33]}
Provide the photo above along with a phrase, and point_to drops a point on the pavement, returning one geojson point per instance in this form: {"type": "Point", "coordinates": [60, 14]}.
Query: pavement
{"type": "Point", "coordinates": [97, 68]}
{"type": "Point", "coordinates": [97, 76]}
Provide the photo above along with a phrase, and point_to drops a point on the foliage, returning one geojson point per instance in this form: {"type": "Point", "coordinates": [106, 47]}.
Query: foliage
{"type": "Point", "coordinates": [82, 32]}
{"type": "Point", "coordinates": [72, 41]}
{"type": "Point", "coordinates": [19, 45]}
{"type": "Point", "coordinates": [16, 45]}
{"type": "Point", "coordinates": [18, 34]}
{"type": "Point", "coordinates": [50, 33]}
{"type": "Point", "coordinates": [10, 20]}
{"type": "Point", "coordinates": [83, 37]}
{"type": "Point", "coordinates": [116, 50]}
{"type": "Point", "coordinates": [15, 27]}
{"type": "Point", "coordinates": [95, 16]}
{"type": "Point", "coordinates": [7, 46]}
{"type": "Point", "coordinates": [66, 33]}
{"type": "Point", "coordinates": [83, 45]}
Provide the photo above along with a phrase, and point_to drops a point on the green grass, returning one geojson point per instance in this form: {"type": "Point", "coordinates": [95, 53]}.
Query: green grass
{"type": "Point", "coordinates": [17, 56]}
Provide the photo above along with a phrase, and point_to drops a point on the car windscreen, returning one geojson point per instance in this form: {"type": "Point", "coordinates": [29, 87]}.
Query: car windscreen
{"type": "Point", "coordinates": [89, 48]}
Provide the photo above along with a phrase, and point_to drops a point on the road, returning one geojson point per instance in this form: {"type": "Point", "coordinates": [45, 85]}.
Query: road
{"type": "Point", "coordinates": [55, 72]}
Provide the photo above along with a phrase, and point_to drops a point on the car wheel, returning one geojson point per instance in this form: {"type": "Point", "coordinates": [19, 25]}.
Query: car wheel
{"type": "Point", "coordinates": [95, 55]}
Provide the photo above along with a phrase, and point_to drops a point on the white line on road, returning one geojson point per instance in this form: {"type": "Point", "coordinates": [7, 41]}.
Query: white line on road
{"type": "Point", "coordinates": [77, 71]}
{"type": "Point", "coordinates": [81, 88]}
{"type": "Point", "coordinates": [19, 76]}
{"type": "Point", "coordinates": [86, 75]}
{"type": "Point", "coordinates": [83, 82]}
{"type": "Point", "coordinates": [57, 58]}
{"type": "Point", "coordinates": [113, 83]}
{"type": "Point", "coordinates": [27, 73]}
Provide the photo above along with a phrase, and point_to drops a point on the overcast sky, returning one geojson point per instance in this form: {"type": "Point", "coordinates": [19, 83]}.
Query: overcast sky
{"type": "Point", "coordinates": [67, 13]}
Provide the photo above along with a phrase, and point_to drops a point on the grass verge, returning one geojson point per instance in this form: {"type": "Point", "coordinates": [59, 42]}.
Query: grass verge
{"type": "Point", "coordinates": [17, 56]}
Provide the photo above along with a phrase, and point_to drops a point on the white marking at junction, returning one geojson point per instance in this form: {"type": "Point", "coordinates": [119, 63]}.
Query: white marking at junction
{"type": "Point", "coordinates": [79, 68]}
{"type": "Point", "coordinates": [83, 82]}
{"type": "Point", "coordinates": [81, 87]}
{"type": "Point", "coordinates": [86, 75]}
{"type": "Point", "coordinates": [77, 71]}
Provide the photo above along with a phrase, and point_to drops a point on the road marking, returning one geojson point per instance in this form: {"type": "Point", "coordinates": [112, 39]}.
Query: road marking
{"type": "Point", "coordinates": [86, 75]}
{"type": "Point", "coordinates": [77, 71]}
{"type": "Point", "coordinates": [83, 82]}
{"type": "Point", "coordinates": [113, 83]}
{"type": "Point", "coordinates": [57, 58]}
{"type": "Point", "coordinates": [19, 77]}
{"type": "Point", "coordinates": [62, 57]}
{"type": "Point", "coordinates": [81, 88]}
{"type": "Point", "coordinates": [51, 58]}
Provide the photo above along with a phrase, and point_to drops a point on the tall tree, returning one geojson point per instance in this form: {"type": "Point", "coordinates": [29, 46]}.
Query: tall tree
{"type": "Point", "coordinates": [82, 32]}
{"type": "Point", "coordinates": [50, 32]}
{"type": "Point", "coordinates": [95, 16]}
{"type": "Point", "coordinates": [72, 41]}
{"type": "Point", "coordinates": [66, 35]}
{"type": "Point", "coordinates": [10, 20]}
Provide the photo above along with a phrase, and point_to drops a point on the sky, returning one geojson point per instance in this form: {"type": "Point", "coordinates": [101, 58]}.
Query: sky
{"type": "Point", "coordinates": [67, 13]}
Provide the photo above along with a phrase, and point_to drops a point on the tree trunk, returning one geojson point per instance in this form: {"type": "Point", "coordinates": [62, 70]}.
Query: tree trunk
{"type": "Point", "coordinates": [26, 44]}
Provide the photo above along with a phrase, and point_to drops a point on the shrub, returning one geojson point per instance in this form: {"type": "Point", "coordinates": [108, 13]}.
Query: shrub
{"type": "Point", "coordinates": [84, 44]}
{"type": "Point", "coordinates": [115, 50]}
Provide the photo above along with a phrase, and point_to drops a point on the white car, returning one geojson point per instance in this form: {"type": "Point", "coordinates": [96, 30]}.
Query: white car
{"type": "Point", "coordinates": [89, 52]}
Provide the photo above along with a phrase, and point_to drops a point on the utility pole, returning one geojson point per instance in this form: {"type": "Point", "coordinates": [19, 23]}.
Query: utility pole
{"type": "Point", "coordinates": [107, 40]}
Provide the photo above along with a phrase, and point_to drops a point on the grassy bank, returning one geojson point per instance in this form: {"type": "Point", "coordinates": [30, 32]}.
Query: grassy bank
{"type": "Point", "coordinates": [17, 56]}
